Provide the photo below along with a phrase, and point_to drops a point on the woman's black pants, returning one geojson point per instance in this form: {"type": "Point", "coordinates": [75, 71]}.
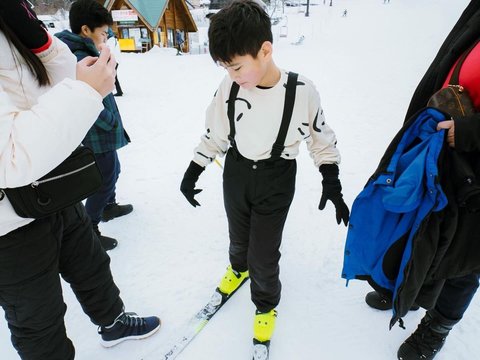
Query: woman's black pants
{"type": "Point", "coordinates": [31, 259]}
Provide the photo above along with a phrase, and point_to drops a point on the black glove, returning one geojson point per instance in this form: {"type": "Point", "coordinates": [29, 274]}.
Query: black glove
{"type": "Point", "coordinates": [332, 190]}
{"type": "Point", "coordinates": [187, 187]}
{"type": "Point", "coordinates": [23, 21]}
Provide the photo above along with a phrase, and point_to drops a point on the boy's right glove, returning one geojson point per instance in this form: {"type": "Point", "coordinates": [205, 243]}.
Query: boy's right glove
{"type": "Point", "coordinates": [187, 187]}
{"type": "Point", "coordinates": [23, 21]}
{"type": "Point", "coordinates": [332, 190]}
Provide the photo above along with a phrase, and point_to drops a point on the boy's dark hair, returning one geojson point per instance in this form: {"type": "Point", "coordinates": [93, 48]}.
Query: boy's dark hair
{"type": "Point", "coordinates": [90, 13]}
{"type": "Point", "coordinates": [238, 29]}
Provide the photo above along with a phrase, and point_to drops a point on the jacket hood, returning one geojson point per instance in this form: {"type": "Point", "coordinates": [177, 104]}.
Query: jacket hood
{"type": "Point", "coordinates": [77, 43]}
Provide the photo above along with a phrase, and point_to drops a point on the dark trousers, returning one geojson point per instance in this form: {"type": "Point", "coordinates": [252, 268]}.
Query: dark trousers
{"type": "Point", "coordinates": [179, 48]}
{"type": "Point", "coordinates": [31, 260]}
{"type": "Point", "coordinates": [117, 84]}
{"type": "Point", "coordinates": [456, 296]}
{"type": "Point", "coordinates": [109, 166]}
{"type": "Point", "coordinates": [257, 196]}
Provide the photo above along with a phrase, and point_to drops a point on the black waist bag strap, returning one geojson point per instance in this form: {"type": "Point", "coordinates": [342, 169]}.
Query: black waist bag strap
{"type": "Point", "coordinates": [290, 93]}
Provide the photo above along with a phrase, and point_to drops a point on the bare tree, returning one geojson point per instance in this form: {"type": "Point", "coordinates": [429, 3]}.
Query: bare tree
{"type": "Point", "coordinates": [50, 7]}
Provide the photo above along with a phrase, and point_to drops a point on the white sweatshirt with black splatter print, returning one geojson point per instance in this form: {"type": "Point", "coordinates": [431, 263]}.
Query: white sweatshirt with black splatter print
{"type": "Point", "coordinates": [258, 114]}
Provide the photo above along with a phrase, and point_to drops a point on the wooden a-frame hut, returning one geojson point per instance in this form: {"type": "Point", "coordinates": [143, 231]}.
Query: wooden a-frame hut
{"type": "Point", "coordinates": [140, 24]}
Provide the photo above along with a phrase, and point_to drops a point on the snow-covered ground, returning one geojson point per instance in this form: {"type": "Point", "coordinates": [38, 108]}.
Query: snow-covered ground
{"type": "Point", "coordinates": [171, 255]}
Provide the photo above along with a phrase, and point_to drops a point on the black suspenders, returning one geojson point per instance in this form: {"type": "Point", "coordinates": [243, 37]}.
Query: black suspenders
{"type": "Point", "coordinates": [279, 144]}
{"type": "Point", "coordinates": [231, 113]}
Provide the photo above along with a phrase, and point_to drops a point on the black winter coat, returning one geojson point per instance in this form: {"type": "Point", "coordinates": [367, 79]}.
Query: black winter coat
{"type": "Point", "coordinates": [449, 241]}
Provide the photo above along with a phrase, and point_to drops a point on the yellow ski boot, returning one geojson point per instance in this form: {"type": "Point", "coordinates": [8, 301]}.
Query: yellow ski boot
{"type": "Point", "coordinates": [263, 326]}
{"type": "Point", "coordinates": [231, 281]}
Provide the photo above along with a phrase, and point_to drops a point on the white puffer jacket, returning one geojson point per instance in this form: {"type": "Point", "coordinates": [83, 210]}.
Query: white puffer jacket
{"type": "Point", "coordinates": [39, 126]}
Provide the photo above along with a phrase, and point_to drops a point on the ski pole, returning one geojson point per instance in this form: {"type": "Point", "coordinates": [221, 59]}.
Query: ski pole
{"type": "Point", "coordinates": [218, 163]}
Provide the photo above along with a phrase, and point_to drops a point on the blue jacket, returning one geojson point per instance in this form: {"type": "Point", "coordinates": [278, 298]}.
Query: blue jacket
{"type": "Point", "coordinates": [107, 134]}
{"type": "Point", "coordinates": [388, 213]}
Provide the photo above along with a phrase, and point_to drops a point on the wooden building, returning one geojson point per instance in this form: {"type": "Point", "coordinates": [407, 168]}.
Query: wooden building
{"type": "Point", "coordinates": [140, 24]}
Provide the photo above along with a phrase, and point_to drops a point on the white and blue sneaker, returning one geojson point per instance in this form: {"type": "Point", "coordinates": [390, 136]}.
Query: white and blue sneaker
{"type": "Point", "coordinates": [128, 326]}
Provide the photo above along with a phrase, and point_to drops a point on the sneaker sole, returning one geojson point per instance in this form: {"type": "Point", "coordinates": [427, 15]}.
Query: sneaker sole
{"type": "Point", "coordinates": [112, 343]}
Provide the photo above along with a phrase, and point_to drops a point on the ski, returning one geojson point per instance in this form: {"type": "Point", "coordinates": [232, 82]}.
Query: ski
{"type": "Point", "coordinates": [261, 350]}
{"type": "Point", "coordinates": [198, 322]}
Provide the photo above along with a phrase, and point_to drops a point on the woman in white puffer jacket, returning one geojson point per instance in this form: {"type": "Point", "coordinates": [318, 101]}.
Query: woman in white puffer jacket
{"type": "Point", "coordinates": [48, 102]}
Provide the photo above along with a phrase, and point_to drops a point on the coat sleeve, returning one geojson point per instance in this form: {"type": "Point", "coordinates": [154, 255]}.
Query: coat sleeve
{"type": "Point", "coordinates": [59, 61]}
{"type": "Point", "coordinates": [215, 140]}
{"type": "Point", "coordinates": [107, 119]}
{"type": "Point", "coordinates": [34, 141]}
{"type": "Point", "coordinates": [467, 133]}
{"type": "Point", "coordinates": [322, 145]}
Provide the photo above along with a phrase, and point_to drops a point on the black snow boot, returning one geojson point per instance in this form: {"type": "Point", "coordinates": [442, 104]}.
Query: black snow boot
{"type": "Point", "coordinates": [107, 243]}
{"type": "Point", "coordinates": [428, 339]}
{"type": "Point", "coordinates": [114, 210]}
{"type": "Point", "coordinates": [382, 302]}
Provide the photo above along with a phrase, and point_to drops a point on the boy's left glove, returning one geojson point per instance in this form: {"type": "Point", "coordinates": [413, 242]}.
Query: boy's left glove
{"type": "Point", "coordinates": [187, 187]}
{"type": "Point", "coordinates": [332, 190]}
{"type": "Point", "coordinates": [24, 22]}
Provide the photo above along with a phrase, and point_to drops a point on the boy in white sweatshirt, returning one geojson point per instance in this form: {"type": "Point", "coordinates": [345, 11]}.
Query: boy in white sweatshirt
{"type": "Point", "coordinates": [258, 117]}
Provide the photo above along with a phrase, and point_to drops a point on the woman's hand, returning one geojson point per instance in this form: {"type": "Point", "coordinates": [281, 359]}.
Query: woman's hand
{"type": "Point", "coordinates": [450, 126]}
{"type": "Point", "coordinates": [98, 72]}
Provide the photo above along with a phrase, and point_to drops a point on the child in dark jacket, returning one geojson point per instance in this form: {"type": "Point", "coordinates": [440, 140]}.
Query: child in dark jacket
{"type": "Point", "coordinates": [245, 123]}
{"type": "Point", "coordinates": [89, 22]}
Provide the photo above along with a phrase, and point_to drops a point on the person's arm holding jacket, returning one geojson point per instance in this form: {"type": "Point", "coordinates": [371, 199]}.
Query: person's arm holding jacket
{"type": "Point", "coordinates": [467, 133]}
{"type": "Point", "coordinates": [463, 133]}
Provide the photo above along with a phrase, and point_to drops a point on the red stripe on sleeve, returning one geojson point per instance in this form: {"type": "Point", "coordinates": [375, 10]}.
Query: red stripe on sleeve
{"type": "Point", "coordinates": [44, 47]}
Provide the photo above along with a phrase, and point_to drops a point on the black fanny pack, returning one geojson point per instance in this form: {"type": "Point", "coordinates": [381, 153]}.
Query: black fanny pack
{"type": "Point", "coordinates": [76, 178]}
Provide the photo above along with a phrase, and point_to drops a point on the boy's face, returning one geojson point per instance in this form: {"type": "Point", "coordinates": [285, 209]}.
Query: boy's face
{"type": "Point", "coordinates": [247, 71]}
{"type": "Point", "coordinates": [99, 35]}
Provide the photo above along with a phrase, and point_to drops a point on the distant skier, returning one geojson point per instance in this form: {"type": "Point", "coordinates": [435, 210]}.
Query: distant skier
{"type": "Point", "coordinates": [179, 39]}
{"type": "Point", "coordinates": [244, 122]}
{"type": "Point", "coordinates": [344, 13]}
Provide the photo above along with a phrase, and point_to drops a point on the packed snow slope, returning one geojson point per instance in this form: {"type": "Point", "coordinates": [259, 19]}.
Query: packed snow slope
{"type": "Point", "coordinates": [171, 256]}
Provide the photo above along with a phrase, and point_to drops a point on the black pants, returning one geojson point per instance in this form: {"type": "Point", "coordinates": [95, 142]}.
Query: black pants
{"type": "Point", "coordinates": [257, 197]}
{"type": "Point", "coordinates": [31, 259]}
{"type": "Point", "coordinates": [110, 168]}
{"type": "Point", "coordinates": [456, 296]}
{"type": "Point", "coordinates": [118, 88]}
